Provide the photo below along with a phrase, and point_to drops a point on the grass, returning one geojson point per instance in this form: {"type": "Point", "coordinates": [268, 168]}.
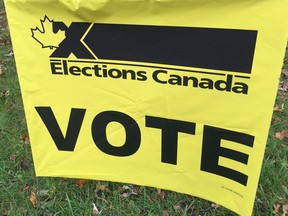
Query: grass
{"type": "Point", "coordinates": [59, 196]}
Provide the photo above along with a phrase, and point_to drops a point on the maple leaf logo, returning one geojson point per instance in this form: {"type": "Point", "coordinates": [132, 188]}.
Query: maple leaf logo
{"type": "Point", "coordinates": [46, 35]}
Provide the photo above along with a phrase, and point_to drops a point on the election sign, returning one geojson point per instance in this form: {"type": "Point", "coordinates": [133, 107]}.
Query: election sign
{"type": "Point", "coordinates": [171, 94]}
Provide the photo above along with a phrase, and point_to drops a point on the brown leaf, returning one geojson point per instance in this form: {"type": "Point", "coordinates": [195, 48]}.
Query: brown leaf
{"type": "Point", "coordinates": [13, 157]}
{"type": "Point", "coordinates": [25, 137]}
{"type": "Point", "coordinates": [100, 190]}
{"type": "Point", "coordinates": [276, 120]}
{"type": "Point", "coordinates": [285, 209]}
{"type": "Point", "coordinates": [125, 195]}
{"type": "Point", "coordinates": [278, 108]}
{"type": "Point", "coordinates": [160, 194]}
{"type": "Point", "coordinates": [283, 86]}
{"type": "Point", "coordinates": [182, 205]}
{"type": "Point", "coordinates": [80, 183]}
{"type": "Point", "coordinates": [166, 213]}
{"type": "Point", "coordinates": [128, 190]}
{"type": "Point", "coordinates": [33, 199]}
{"type": "Point", "coordinates": [281, 208]}
{"type": "Point", "coordinates": [281, 135]}
{"type": "Point", "coordinates": [277, 208]}
{"type": "Point", "coordinates": [215, 205]}
{"type": "Point", "coordinates": [185, 206]}
{"type": "Point", "coordinates": [178, 207]}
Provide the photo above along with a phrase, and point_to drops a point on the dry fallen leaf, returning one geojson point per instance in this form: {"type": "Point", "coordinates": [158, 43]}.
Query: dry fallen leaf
{"type": "Point", "coordinates": [281, 135]}
{"type": "Point", "coordinates": [160, 194]}
{"type": "Point", "coordinates": [277, 208]}
{"type": "Point", "coordinates": [281, 209]}
{"type": "Point", "coordinates": [25, 137]}
{"type": "Point", "coordinates": [128, 190]}
{"type": "Point", "coordinates": [33, 199]}
{"type": "Point", "coordinates": [166, 213]}
{"type": "Point", "coordinates": [276, 119]}
{"type": "Point", "coordinates": [278, 108]}
{"type": "Point", "coordinates": [100, 190]}
{"type": "Point", "coordinates": [95, 211]}
{"type": "Point", "coordinates": [13, 157]}
{"type": "Point", "coordinates": [178, 207]}
{"type": "Point", "coordinates": [182, 205]}
{"type": "Point", "coordinates": [80, 183]}
{"type": "Point", "coordinates": [215, 205]}
{"type": "Point", "coordinates": [283, 87]}
{"type": "Point", "coordinates": [285, 209]}
{"type": "Point", "coordinates": [125, 195]}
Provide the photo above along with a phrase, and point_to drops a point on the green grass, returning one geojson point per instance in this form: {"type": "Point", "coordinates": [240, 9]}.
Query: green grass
{"type": "Point", "coordinates": [61, 196]}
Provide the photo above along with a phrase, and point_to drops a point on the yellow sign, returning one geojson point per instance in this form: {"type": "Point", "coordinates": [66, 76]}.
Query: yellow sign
{"type": "Point", "coordinates": [178, 94]}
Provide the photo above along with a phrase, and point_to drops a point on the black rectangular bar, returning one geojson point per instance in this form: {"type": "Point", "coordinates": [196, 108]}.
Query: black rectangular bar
{"type": "Point", "coordinates": [210, 48]}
